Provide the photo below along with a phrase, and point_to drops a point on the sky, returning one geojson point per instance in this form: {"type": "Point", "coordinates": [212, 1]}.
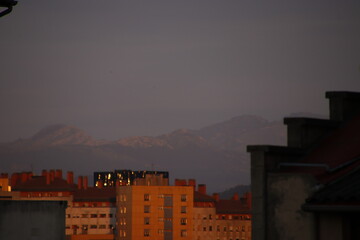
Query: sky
{"type": "Point", "coordinates": [124, 68]}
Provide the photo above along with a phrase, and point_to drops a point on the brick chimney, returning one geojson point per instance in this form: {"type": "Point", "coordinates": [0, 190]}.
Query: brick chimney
{"type": "Point", "coordinates": [80, 182]}
{"type": "Point", "coordinates": [70, 177]}
{"type": "Point", "coordinates": [180, 182]}
{"type": "Point", "coordinates": [24, 177]}
{"type": "Point", "coordinates": [216, 196]}
{"type": "Point", "coordinates": [48, 178]}
{"type": "Point", "coordinates": [14, 179]}
{"type": "Point", "coordinates": [85, 182]}
{"type": "Point", "coordinates": [58, 173]}
{"type": "Point", "coordinates": [192, 182]}
{"type": "Point", "coordinates": [202, 188]}
{"type": "Point", "coordinates": [235, 196]}
{"type": "Point", "coordinates": [52, 175]}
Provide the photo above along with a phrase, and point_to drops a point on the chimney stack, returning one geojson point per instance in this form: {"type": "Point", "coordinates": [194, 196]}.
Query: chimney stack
{"type": "Point", "coordinates": [48, 178]}
{"type": "Point", "coordinates": [52, 175]}
{"type": "Point", "coordinates": [70, 177]}
{"type": "Point", "coordinates": [216, 196]}
{"type": "Point", "coordinates": [180, 182]}
{"type": "Point", "coordinates": [236, 196]}
{"type": "Point", "coordinates": [85, 182]}
{"type": "Point", "coordinates": [24, 177]}
{"type": "Point", "coordinates": [202, 188]}
{"type": "Point", "coordinates": [58, 173]}
{"type": "Point", "coordinates": [192, 182]}
{"type": "Point", "coordinates": [80, 182]}
{"type": "Point", "coordinates": [14, 179]}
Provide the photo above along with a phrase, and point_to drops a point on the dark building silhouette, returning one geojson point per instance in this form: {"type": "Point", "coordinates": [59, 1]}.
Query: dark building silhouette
{"type": "Point", "coordinates": [124, 177]}
{"type": "Point", "coordinates": [310, 189]}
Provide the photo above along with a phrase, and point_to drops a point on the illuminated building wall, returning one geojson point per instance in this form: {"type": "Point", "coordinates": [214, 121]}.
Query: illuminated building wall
{"type": "Point", "coordinates": [154, 212]}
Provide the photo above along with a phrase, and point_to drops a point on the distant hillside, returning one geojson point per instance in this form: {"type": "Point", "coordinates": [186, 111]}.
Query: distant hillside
{"type": "Point", "coordinates": [229, 193]}
{"type": "Point", "coordinates": [214, 155]}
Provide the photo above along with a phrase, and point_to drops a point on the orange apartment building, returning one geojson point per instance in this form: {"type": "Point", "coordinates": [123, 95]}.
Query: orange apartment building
{"type": "Point", "coordinates": [154, 212]}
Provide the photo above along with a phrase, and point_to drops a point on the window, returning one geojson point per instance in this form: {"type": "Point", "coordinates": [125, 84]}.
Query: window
{"type": "Point", "coordinates": [68, 215]}
{"type": "Point", "coordinates": [84, 215]}
{"type": "Point", "coordinates": [67, 227]}
{"type": "Point", "coordinates": [147, 221]}
{"type": "Point", "coordinates": [183, 209]}
{"type": "Point", "coordinates": [210, 216]}
{"type": "Point", "coordinates": [146, 208]}
{"type": "Point", "coordinates": [110, 215]}
{"type": "Point", "coordinates": [183, 197]}
{"type": "Point", "coordinates": [102, 226]}
{"type": "Point", "coordinates": [93, 226]}
{"type": "Point", "coordinates": [218, 228]}
{"type": "Point", "coordinates": [204, 229]}
{"type": "Point", "coordinates": [210, 228]}
{"type": "Point", "coordinates": [146, 232]}
{"type": "Point", "coordinates": [93, 215]}
{"type": "Point", "coordinates": [102, 215]}
{"type": "Point", "coordinates": [146, 197]}
{"type": "Point", "coordinates": [224, 229]}
{"type": "Point", "coordinates": [183, 221]}
{"type": "Point", "coordinates": [183, 233]}
{"type": "Point", "coordinates": [111, 226]}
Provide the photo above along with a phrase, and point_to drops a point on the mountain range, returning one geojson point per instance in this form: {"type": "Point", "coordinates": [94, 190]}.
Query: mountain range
{"type": "Point", "coordinates": [215, 155]}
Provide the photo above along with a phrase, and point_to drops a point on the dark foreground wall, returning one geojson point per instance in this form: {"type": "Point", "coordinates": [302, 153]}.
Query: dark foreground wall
{"type": "Point", "coordinates": [35, 220]}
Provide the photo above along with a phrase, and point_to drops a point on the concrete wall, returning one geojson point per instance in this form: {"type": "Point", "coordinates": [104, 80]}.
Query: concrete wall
{"type": "Point", "coordinates": [33, 220]}
{"type": "Point", "coordinates": [286, 220]}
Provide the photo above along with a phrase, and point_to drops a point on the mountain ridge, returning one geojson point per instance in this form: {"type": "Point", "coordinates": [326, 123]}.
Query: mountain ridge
{"type": "Point", "coordinates": [208, 154]}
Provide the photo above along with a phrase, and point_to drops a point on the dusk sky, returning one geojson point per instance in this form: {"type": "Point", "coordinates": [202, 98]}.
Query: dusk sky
{"type": "Point", "coordinates": [124, 68]}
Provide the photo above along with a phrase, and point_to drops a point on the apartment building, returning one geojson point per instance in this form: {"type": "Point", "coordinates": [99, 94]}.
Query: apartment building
{"type": "Point", "coordinates": [90, 212]}
{"type": "Point", "coordinates": [154, 212]}
{"type": "Point", "coordinates": [128, 177]}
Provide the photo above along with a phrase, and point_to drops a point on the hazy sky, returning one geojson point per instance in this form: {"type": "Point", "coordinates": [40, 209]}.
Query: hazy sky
{"type": "Point", "coordinates": [120, 68]}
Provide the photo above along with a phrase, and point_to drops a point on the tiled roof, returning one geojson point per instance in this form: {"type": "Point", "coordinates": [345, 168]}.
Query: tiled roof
{"type": "Point", "coordinates": [200, 197]}
{"type": "Point", "coordinates": [231, 207]}
{"type": "Point", "coordinates": [95, 194]}
{"type": "Point", "coordinates": [38, 183]}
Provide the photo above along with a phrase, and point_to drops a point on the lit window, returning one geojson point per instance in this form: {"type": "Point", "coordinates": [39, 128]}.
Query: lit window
{"type": "Point", "coordinates": [183, 233]}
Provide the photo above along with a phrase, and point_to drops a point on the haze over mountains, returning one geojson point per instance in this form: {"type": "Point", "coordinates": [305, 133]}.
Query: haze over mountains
{"type": "Point", "coordinates": [215, 155]}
